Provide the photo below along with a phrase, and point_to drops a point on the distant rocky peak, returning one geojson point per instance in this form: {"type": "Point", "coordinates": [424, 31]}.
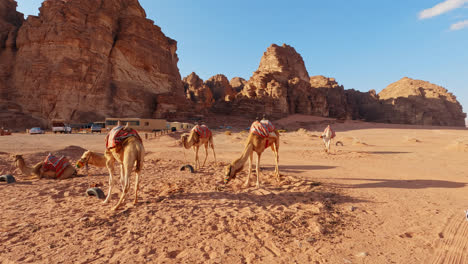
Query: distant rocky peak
{"type": "Point", "coordinates": [283, 59]}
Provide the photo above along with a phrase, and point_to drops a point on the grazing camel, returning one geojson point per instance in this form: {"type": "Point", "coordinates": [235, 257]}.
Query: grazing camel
{"type": "Point", "coordinates": [124, 145]}
{"type": "Point", "coordinates": [327, 136]}
{"type": "Point", "coordinates": [260, 138]}
{"type": "Point", "coordinates": [199, 136]}
{"type": "Point", "coordinates": [52, 168]}
{"type": "Point", "coordinates": [93, 158]}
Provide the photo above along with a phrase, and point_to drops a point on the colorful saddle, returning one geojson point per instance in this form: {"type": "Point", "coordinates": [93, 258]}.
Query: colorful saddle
{"type": "Point", "coordinates": [262, 128]}
{"type": "Point", "coordinates": [118, 135]}
{"type": "Point", "coordinates": [53, 163]}
{"type": "Point", "coordinates": [203, 131]}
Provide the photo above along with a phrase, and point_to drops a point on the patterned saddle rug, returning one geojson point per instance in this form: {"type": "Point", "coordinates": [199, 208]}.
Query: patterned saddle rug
{"type": "Point", "coordinates": [262, 128]}
{"type": "Point", "coordinates": [117, 136]}
{"type": "Point", "coordinates": [53, 163]}
{"type": "Point", "coordinates": [326, 131]}
{"type": "Point", "coordinates": [203, 131]}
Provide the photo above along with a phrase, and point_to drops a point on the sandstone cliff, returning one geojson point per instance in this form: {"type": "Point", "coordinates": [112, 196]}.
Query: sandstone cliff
{"type": "Point", "coordinates": [281, 86]}
{"type": "Point", "coordinates": [83, 60]}
{"type": "Point", "coordinates": [422, 103]}
{"type": "Point", "coordinates": [198, 92]}
{"type": "Point", "coordinates": [221, 88]}
{"type": "Point", "coordinates": [237, 84]}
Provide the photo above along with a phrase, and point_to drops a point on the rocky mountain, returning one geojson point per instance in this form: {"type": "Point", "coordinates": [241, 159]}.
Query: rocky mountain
{"type": "Point", "coordinates": [237, 83]}
{"type": "Point", "coordinates": [422, 103]}
{"type": "Point", "coordinates": [221, 88]}
{"type": "Point", "coordinates": [83, 60]}
{"type": "Point", "coordinates": [198, 92]}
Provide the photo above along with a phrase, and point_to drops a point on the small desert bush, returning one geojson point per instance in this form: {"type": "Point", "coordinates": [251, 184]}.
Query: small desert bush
{"type": "Point", "coordinates": [228, 132]}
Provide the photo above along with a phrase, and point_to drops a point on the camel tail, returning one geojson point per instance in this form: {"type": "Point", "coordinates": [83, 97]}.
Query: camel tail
{"type": "Point", "coordinates": [139, 160]}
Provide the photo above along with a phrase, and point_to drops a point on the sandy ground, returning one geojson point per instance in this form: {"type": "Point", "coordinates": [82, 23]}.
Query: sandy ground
{"type": "Point", "coordinates": [390, 194]}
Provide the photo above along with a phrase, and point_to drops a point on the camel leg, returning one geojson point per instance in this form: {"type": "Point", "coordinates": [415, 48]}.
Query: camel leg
{"type": "Point", "coordinates": [206, 153]}
{"type": "Point", "coordinates": [109, 168]}
{"type": "Point", "coordinates": [137, 186]}
{"type": "Point", "coordinates": [246, 184]}
{"type": "Point", "coordinates": [275, 150]}
{"type": "Point", "coordinates": [214, 154]}
{"type": "Point", "coordinates": [195, 149]}
{"type": "Point", "coordinates": [122, 179]}
{"type": "Point", "coordinates": [127, 172]}
{"type": "Point", "coordinates": [258, 169]}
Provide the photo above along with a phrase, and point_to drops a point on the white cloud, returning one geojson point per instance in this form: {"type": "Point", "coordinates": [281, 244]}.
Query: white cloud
{"type": "Point", "coordinates": [441, 8]}
{"type": "Point", "coordinates": [459, 25]}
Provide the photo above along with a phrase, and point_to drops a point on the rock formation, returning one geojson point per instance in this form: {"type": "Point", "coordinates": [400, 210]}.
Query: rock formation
{"type": "Point", "coordinates": [422, 103]}
{"type": "Point", "coordinates": [237, 84]}
{"type": "Point", "coordinates": [83, 60]}
{"type": "Point", "coordinates": [198, 92]}
{"type": "Point", "coordinates": [281, 86]}
{"type": "Point", "coordinates": [221, 88]}
{"type": "Point", "coordinates": [334, 95]}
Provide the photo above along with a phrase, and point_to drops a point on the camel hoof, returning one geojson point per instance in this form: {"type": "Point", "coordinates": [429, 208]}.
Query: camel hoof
{"type": "Point", "coordinates": [188, 167]}
{"type": "Point", "coordinates": [96, 192]}
{"type": "Point", "coordinates": [7, 178]}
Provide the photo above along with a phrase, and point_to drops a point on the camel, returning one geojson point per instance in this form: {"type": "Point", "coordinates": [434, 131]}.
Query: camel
{"type": "Point", "coordinates": [327, 136]}
{"type": "Point", "coordinates": [128, 152]}
{"type": "Point", "coordinates": [199, 136]}
{"type": "Point", "coordinates": [260, 138]}
{"type": "Point", "coordinates": [92, 158]}
{"type": "Point", "coordinates": [44, 170]}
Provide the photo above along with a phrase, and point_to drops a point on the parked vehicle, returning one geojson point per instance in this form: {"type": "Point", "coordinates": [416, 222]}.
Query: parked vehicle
{"type": "Point", "coordinates": [96, 128]}
{"type": "Point", "coordinates": [36, 130]}
{"type": "Point", "coordinates": [58, 125]}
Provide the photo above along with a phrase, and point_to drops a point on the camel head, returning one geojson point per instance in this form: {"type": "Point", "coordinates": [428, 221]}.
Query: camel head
{"type": "Point", "coordinates": [18, 159]}
{"type": "Point", "coordinates": [83, 160]}
{"type": "Point", "coordinates": [230, 173]}
{"type": "Point", "coordinates": [184, 139]}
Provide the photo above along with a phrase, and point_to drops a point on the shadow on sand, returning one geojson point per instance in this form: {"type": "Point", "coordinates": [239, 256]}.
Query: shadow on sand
{"type": "Point", "coordinates": [403, 184]}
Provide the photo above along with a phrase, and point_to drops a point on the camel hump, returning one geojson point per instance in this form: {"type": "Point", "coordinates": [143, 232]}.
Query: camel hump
{"type": "Point", "coordinates": [203, 131]}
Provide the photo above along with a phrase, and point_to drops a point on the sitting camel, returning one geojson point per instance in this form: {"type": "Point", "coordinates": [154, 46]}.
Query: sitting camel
{"type": "Point", "coordinates": [260, 138]}
{"type": "Point", "coordinates": [52, 168]}
{"type": "Point", "coordinates": [124, 145]}
{"type": "Point", "coordinates": [327, 136]}
{"type": "Point", "coordinates": [199, 135]}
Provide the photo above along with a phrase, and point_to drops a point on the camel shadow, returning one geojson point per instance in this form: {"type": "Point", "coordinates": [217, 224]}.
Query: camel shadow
{"type": "Point", "coordinates": [264, 198]}
{"type": "Point", "coordinates": [384, 152]}
{"type": "Point", "coordinates": [401, 184]}
{"type": "Point", "coordinates": [302, 168]}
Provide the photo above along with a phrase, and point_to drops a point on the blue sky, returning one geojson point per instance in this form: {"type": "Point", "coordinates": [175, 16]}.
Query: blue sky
{"type": "Point", "coordinates": [364, 44]}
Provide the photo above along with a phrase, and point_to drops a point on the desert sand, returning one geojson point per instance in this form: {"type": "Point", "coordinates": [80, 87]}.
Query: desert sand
{"type": "Point", "coordinates": [390, 194]}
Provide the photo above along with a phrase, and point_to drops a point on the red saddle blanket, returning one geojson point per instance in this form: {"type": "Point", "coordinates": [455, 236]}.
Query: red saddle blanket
{"type": "Point", "coordinates": [262, 128]}
{"type": "Point", "coordinates": [53, 163]}
{"type": "Point", "coordinates": [203, 131]}
{"type": "Point", "coordinates": [117, 135]}
{"type": "Point", "coordinates": [326, 131]}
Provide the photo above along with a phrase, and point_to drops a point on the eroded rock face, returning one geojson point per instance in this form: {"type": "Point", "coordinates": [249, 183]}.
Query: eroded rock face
{"type": "Point", "coordinates": [281, 85]}
{"type": "Point", "coordinates": [237, 84]}
{"type": "Point", "coordinates": [197, 92]}
{"type": "Point", "coordinates": [83, 60]}
{"type": "Point", "coordinates": [221, 88]}
{"type": "Point", "coordinates": [422, 103]}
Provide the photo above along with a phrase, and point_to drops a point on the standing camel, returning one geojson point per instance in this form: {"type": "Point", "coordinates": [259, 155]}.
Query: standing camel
{"type": "Point", "coordinates": [327, 136]}
{"type": "Point", "coordinates": [92, 158]}
{"type": "Point", "coordinates": [52, 168]}
{"type": "Point", "coordinates": [199, 135]}
{"type": "Point", "coordinates": [260, 138]}
{"type": "Point", "coordinates": [124, 145]}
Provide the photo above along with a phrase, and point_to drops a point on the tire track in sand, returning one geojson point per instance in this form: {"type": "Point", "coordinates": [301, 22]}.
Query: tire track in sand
{"type": "Point", "coordinates": [454, 245]}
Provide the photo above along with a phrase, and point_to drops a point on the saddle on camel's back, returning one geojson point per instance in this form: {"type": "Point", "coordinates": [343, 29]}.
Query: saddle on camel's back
{"type": "Point", "coordinates": [328, 128]}
{"type": "Point", "coordinates": [56, 164]}
{"type": "Point", "coordinates": [262, 128]}
{"type": "Point", "coordinates": [118, 135]}
{"type": "Point", "coordinates": [202, 131]}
